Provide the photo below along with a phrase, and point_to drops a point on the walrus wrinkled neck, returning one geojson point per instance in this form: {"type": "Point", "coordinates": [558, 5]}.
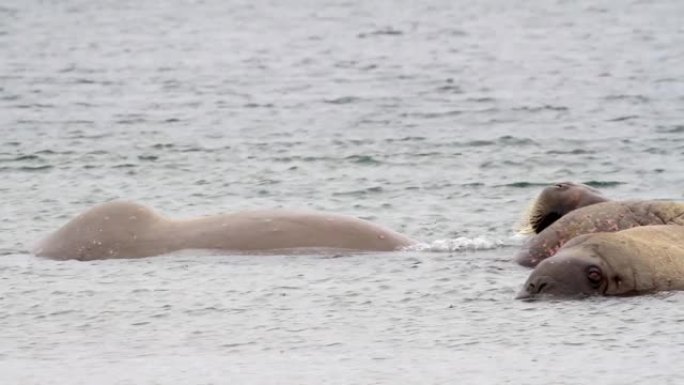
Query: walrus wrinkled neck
{"type": "Point", "coordinates": [588, 200]}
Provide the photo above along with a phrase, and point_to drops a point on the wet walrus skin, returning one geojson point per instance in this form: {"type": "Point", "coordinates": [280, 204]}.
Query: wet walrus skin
{"type": "Point", "coordinates": [122, 229]}
{"type": "Point", "coordinates": [640, 260]}
{"type": "Point", "coordinates": [598, 217]}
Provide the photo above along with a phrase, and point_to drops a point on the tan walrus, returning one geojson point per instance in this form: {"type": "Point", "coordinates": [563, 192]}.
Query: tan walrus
{"type": "Point", "coordinates": [640, 260]}
{"type": "Point", "coordinates": [566, 210]}
{"type": "Point", "coordinates": [122, 229]}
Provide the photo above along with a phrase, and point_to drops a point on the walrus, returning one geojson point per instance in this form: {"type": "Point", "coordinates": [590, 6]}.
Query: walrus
{"type": "Point", "coordinates": [557, 200]}
{"type": "Point", "coordinates": [566, 210]}
{"type": "Point", "coordinates": [122, 229]}
{"type": "Point", "coordinates": [640, 260]}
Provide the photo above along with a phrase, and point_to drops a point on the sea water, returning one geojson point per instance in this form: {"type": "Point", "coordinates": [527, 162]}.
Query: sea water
{"type": "Point", "coordinates": [439, 119]}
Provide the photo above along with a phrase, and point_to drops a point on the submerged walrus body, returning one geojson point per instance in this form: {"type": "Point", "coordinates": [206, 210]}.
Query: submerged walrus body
{"type": "Point", "coordinates": [129, 230]}
{"type": "Point", "coordinates": [599, 217]}
{"type": "Point", "coordinates": [640, 260]}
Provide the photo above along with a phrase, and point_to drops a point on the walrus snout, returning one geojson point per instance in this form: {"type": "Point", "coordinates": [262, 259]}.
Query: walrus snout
{"type": "Point", "coordinates": [535, 287]}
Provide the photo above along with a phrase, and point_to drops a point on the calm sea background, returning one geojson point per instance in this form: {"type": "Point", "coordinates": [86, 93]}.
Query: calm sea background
{"type": "Point", "coordinates": [440, 119]}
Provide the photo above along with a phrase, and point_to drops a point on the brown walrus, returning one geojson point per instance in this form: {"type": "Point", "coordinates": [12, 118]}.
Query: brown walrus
{"type": "Point", "coordinates": [557, 200]}
{"type": "Point", "coordinates": [122, 229]}
{"type": "Point", "coordinates": [566, 210]}
{"type": "Point", "coordinates": [640, 260]}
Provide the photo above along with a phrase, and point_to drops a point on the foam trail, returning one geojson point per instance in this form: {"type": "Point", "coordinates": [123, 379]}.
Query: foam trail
{"type": "Point", "coordinates": [458, 244]}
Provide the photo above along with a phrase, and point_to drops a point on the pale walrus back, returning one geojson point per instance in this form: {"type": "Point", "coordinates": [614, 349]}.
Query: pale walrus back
{"type": "Point", "coordinates": [270, 230]}
{"type": "Point", "coordinates": [114, 229]}
{"type": "Point", "coordinates": [129, 230]}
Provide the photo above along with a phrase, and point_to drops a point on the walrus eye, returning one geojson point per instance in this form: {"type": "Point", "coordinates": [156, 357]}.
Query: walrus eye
{"type": "Point", "coordinates": [594, 276]}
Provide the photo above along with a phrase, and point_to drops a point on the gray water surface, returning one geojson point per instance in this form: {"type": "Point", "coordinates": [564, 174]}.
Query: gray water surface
{"type": "Point", "coordinates": [440, 119]}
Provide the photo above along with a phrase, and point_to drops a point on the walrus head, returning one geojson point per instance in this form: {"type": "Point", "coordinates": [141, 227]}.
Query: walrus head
{"type": "Point", "coordinates": [556, 201]}
{"type": "Point", "coordinates": [567, 274]}
{"type": "Point", "coordinates": [590, 264]}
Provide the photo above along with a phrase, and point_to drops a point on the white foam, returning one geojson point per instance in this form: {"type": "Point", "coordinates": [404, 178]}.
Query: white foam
{"type": "Point", "coordinates": [458, 244]}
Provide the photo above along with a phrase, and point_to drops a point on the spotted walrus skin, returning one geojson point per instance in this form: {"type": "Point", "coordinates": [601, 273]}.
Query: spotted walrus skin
{"type": "Point", "coordinates": [607, 216]}
{"type": "Point", "coordinates": [640, 260]}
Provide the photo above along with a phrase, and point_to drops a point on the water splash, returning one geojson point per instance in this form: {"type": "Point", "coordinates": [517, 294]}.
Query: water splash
{"type": "Point", "coordinates": [458, 244]}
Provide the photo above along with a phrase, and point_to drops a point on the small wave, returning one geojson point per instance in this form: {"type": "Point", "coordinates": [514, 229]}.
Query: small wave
{"type": "Point", "coordinates": [458, 244]}
{"type": "Point", "coordinates": [27, 168]}
{"type": "Point", "coordinates": [258, 105]}
{"type": "Point", "coordinates": [524, 184]}
{"type": "Point", "coordinates": [362, 159]}
{"type": "Point", "coordinates": [343, 100]}
{"type": "Point", "coordinates": [507, 140]}
{"type": "Point", "coordinates": [21, 158]}
{"type": "Point", "coordinates": [678, 129]}
{"type": "Point", "coordinates": [381, 32]}
{"type": "Point", "coordinates": [546, 107]}
{"type": "Point", "coordinates": [479, 143]}
{"type": "Point", "coordinates": [431, 115]}
{"type": "Point", "coordinates": [481, 99]}
{"type": "Point", "coordinates": [576, 151]}
{"type": "Point", "coordinates": [163, 146]}
{"type": "Point", "coordinates": [634, 98]}
{"type": "Point", "coordinates": [623, 118]}
{"type": "Point", "coordinates": [362, 192]}
{"type": "Point", "coordinates": [603, 183]}
{"type": "Point", "coordinates": [592, 183]}
{"type": "Point", "coordinates": [131, 121]}
{"type": "Point", "coordinates": [514, 140]}
{"type": "Point", "coordinates": [35, 106]}
{"type": "Point", "coordinates": [450, 88]}
{"type": "Point", "coordinates": [406, 139]}
{"type": "Point", "coordinates": [10, 98]}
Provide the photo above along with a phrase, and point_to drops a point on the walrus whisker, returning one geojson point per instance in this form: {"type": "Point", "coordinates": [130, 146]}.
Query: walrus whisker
{"type": "Point", "coordinates": [532, 217]}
